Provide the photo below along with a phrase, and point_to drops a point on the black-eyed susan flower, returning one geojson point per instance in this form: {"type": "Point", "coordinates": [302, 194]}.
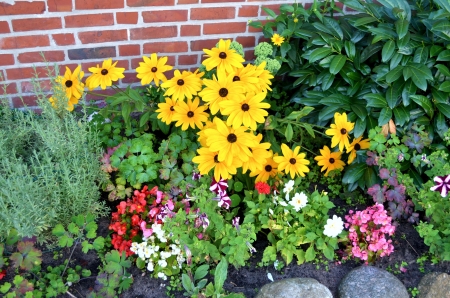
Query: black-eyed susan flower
{"type": "Point", "coordinates": [201, 134]}
{"type": "Point", "coordinates": [231, 143]}
{"type": "Point", "coordinates": [357, 144]}
{"type": "Point", "coordinates": [339, 131]}
{"type": "Point", "coordinates": [222, 57]}
{"type": "Point", "coordinates": [183, 84]}
{"type": "Point", "coordinates": [277, 39]}
{"type": "Point", "coordinates": [248, 112]}
{"type": "Point", "coordinates": [152, 70]}
{"type": "Point", "coordinates": [329, 160]}
{"type": "Point", "coordinates": [208, 160]}
{"type": "Point", "coordinates": [221, 89]}
{"type": "Point", "coordinates": [264, 77]}
{"type": "Point", "coordinates": [248, 77]}
{"type": "Point", "coordinates": [71, 83]}
{"type": "Point", "coordinates": [166, 110]}
{"type": "Point", "coordinates": [259, 156]}
{"type": "Point", "coordinates": [104, 76]}
{"type": "Point", "coordinates": [190, 114]}
{"type": "Point", "coordinates": [269, 169]}
{"type": "Point", "coordinates": [292, 162]}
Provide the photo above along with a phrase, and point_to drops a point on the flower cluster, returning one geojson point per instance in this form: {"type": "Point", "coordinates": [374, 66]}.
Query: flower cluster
{"type": "Point", "coordinates": [442, 185]}
{"type": "Point", "coordinates": [220, 189]}
{"type": "Point", "coordinates": [368, 230]}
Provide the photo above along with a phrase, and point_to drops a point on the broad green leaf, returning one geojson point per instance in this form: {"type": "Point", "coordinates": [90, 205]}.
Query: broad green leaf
{"type": "Point", "coordinates": [309, 129]}
{"type": "Point", "coordinates": [360, 110]}
{"type": "Point", "coordinates": [370, 177]}
{"type": "Point", "coordinates": [395, 60]}
{"type": "Point", "coordinates": [335, 27]}
{"type": "Point", "coordinates": [443, 69]}
{"type": "Point", "coordinates": [444, 108]}
{"type": "Point", "coordinates": [310, 254]}
{"type": "Point", "coordinates": [337, 63]}
{"type": "Point", "coordinates": [401, 27]}
{"type": "Point", "coordinates": [285, 47]}
{"type": "Point", "coordinates": [370, 51]}
{"type": "Point", "coordinates": [336, 99]}
{"type": "Point", "coordinates": [327, 113]}
{"type": "Point", "coordinates": [58, 230]}
{"type": "Point", "coordinates": [220, 274]}
{"type": "Point", "coordinates": [394, 74]}
{"type": "Point", "coordinates": [387, 51]}
{"type": "Point", "coordinates": [354, 172]}
{"type": "Point", "coordinates": [186, 282]}
{"type": "Point", "coordinates": [445, 86]}
{"type": "Point", "coordinates": [435, 50]}
{"type": "Point", "coordinates": [201, 272]}
{"type": "Point", "coordinates": [409, 89]}
{"type": "Point", "coordinates": [444, 4]}
{"type": "Point", "coordinates": [327, 81]}
{"type": "Point", "coordinates": [364, 21]}
{"type": "Point", "coordinates": [375, 100]}
{"type": "Point", "coordinates": [360, 128]}
{"type": "Point", "coordinates": [439, 96]}
{"type": "Point", "coordinates": [421, 55]}
{"type": "Point", "coordinates": [401, 115]}
{"type": "Point", "coordinates": [270, 12]}
{"type": "Point", "coordinates": [98, 243]}
{"type": "Point", "coordinates": [322, 28]}
{"type": "Point", "coordinates": [289, 132]}
{"type": "Point", "coordinates": [392, 96]}
{"type": "Point", "coordinates": [385, 116]}
{"type": "Point", "coordinates": [425, 103]}
{"type": "Point", "coordinates": [296, 115]}
{"type": "Point", "coordinates": [350, 49]}
{"type": "Point", "coordinates": [318, 54]}
{"type": "Point", "coordinates": [328, 252]}
{"type": "Point", "coordinates": [418, 73]}
{"type": "Point", "coordinates": [238, 186]}
{"type": "Point", "coordinates": [443, 56]}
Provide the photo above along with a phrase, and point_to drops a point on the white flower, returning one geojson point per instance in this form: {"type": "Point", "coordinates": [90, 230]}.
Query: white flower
{"type": "Point", "coordinates": [150, 266]}
{"type": "Point", "coordinates": [165, 254]}
{"type": "Point", "coordinates": [333, 227]}
{"type": "Point", "coordinates": [282, 203]}
{"type": "Point", "coordinates": [162, 275]}
{"type": "Point", "coordinates": [289, 187]}
{"type": "Point", "coordinates": [162, 263]}
{"type": "Point", "coordinates": [299, 201]}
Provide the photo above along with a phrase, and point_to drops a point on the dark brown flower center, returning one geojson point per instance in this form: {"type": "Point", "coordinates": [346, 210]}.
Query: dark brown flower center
{"type": "Point", "coordinates": [245, 107]}
{"type": "Point", "coordinates": [216, 159]}
{"type": "Point", "coordinates": [172, 109]}
{"type": "Point", "coordinates": [268, 168]}
{"type": "Point", "coordinates": [68, 83]}
{"type": "Point", "coordinates": [292, 161]}
{"type": "Point", "coordinates": [180, 82]}
{"type": "Point", "coordinates": [357, 146]}
{"type": "Point", "coordinates": [222, 55]}
{"type": "Point", "coordinates": [223, 92]}
{"type": "Point", "coordinates": [236, 78]}
{"type": "Point", "coordinates": [190, 114]}
{"type": "Point", "coordinates": [104, 72]}
{"type": "Point", "coordinates": [154, 69]}
{"type": "Point", "coordinates": [343, 131]}
{"type": "Point", "coordinates": [331, 160]}
{"type": "Point", "coordinates": [232, 138]}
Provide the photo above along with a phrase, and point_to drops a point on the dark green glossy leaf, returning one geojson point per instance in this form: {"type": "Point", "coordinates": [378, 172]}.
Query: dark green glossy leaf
{"type": "Point", "coordinates": [289, 132]}
{"type": "Point", "coordinates": [337, 63]}
{"type": "Point", "coordinates": [375, 100]}
{"type": "Point", "coordinates": [401, 115]}
{"type": "Point", "coordinates": [444, 4]}
{"type": "Point", "coordinates": [387, 51]}
{"type": "Point", "coordinates": [364, 21]}
{"type": "Point", "coordinates": [435, 50]}
{"type": "Point", "coordinates": [392, 96]}
{"type": "Point", "coordinates": [370, 51]}
{"type": "Point", "coordinates": [350, 49]}
{"type": "Point", "coordinates": [395, 60]}
{"type": "Point", "coordinates": [318, 54]}
{"type": "Point", "coordinates": [385, 116]}
{"type": "Point", "coordinates": [285, 47]}
{"type": "Point", "coordinates": [394, 74]}
{"type": "Point", "coordinates": [360, 110]}
{"type": "Point", "coordinates": [443, 69]}
{"type": "Point", "coordinates": [360, 128]}
{"type": "Point", "coordinates": [327, 113]}
{"type": "Point", "coordinates": [354, 172]}
{"type": "Point", "coordinates": [439, 96]}
{"type": "Point", "coordinates": [409, 89]}
{"type": "Point", "coordinates": [421, 55]}
{"type": "Point", "coordinates": [425, 103]}
{"type": "Point", "coordinates": [444, 108]}
{"type": "Point", "coordinates": [335, 27]}
{"type": "Point", "coordinates": [444, 56]}
{"type": "Point", "coordinates": [445, 86]}
{"type": "Point", "coordinates": [327, 81]}
{"type": "Point", "coordinates": [336, 100]}
{"type": "Point", "coordinates": [401, 27]}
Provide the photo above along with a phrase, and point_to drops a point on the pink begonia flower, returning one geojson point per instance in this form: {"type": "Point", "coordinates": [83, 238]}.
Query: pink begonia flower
{"type": "Point", "coordinates": [442, 185]}
{"type": "Point", "coordinates": [159, 196]}
{"type": "Point", "coordinates": [146, 232]}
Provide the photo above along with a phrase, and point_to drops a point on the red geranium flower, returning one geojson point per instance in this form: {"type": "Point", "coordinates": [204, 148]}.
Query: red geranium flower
{"type": "Point", "coordinates": [262, 188]}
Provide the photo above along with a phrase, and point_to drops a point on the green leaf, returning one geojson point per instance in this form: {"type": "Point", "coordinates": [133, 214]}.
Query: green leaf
{"type": "Point", "coordinates": [394, 74]}
{"type": "Point", "coordinates": [444, 108]}
{"type": "Point", "coordinates": [337, 63]}
{"type": "Point", "coordinates": [318, 54]}
{"type": "Point", "coordinates": [98, 243]}
{"type": "Point", "coordinates": [187, 283]}
{"type": "Point", "coordinates": [310, 254]}
{"type": "Point", "coordinates": [360, 127]}
{"type": "Point", "coordinates": [387, 51]}
{"type": "Point", "coordinates": [445, 86]}
{"type": "Point", "coordinates": [401, 115]}
{"type": "Point", "coordinates": [375, 100]}
{"type": "Point", "coordinates": [334, 25]}
{"type": "Point", "coordinates": [297, 115]}
{"type": "Point", "coordinates": [443, 69]}
{"type": "Point", "coordinates": [327, 81]}
{"type": "Point", "coordinates": [354, 172]}
{"type": "Point", "coordinates": [126, 112]}
{"type": "Point", "coordinates": [392, 96]}
{"type": "Point", "coordinates": [444, 56]}
{"type": "Point", "coordinates": [328, 252]}
{"type": "Point", "coordinates": [58, 230]}
{"type": "Point", "coordinates": [425, 103]}
{"type": "Point", "coordinates": [220, 274]}
{"type": "Point", "coordinates": [360, 110]}
{"type": "Point", "coordinates": [385, 116]}
{"type": "Point", "coordinates": [419, 74]}
{"type": "Point", "coordinates": [285, 47]}
{"type": "Point", "coordinates": [370, 51]}
{"type": "Point", "coordinates": [201, 272]}
{"type": "Point", "coordinates": [350, 49]}
{"type": "Point", "coordinates": [421, 55]}
{"type": "Point", "coordinates": [238, 186]}
{"type": "Point", "coordinates": [401, 27]}
{"type": "Point", "coordinates": [289, 132]}
{"type": "Point", "coordinates": [364, 21]}
{"type": "Point", "coordinates": [270, 12]}
{"type": "Point", "coordinates": [444, 4]}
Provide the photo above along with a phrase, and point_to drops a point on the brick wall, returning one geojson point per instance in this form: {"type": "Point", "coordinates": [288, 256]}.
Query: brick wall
{"type": "Point", "coordinates": [72, 32]}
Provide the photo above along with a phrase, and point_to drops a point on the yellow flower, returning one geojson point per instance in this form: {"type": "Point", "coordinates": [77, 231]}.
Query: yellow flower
{"type": "Point", "coordinates": [295, 20]}
{"type": "Point", "coordinates": [70, 104]}
{"type": "Point", "coordinates": [229, 142]}
{"type": "Point", "coordinates": [269, 169]}
{"type": "Point", "coordinates": [264, 77]}
{"type": "Point", "coordinates": [356, 145]}
{"type": "Point", "coordinates": [105, 75]}
{"type": "Point", "coordinates": [248, 112]}
{"type": "Point", "coordinates": [220, 89]}
{"type": "Point", "coordinates": [152, 69]}
{"type": "Point", "coordinates": [329, 160]}
{"type": "Point", "coordinates": [248, 77]}
{"type": "Point", "coordinates": [292, 162]}
{"type": "Point", "coordinates": [190, 114]}
{"type": "Point", "coordinates": [71, 82]}
{"type": "Point", "coordinates": [339, 130]}
{"type": "Point", "coordinates": [166, 110]}
{"type": "Point", "coordinates": [223, 57]}
{"type": "Point", "coordinates": [277, 39]}
{"type": "Point", "coordinates": [259, 156]}
{"type": "Point", "coordinates": [208, 160]}
{"type": "Point", "coordinates": [186, 84]}
{"type": "Point", "coordinates": [201, 134]}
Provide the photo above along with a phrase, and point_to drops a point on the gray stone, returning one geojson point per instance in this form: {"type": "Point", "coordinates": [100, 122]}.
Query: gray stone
{"type": "Point", "coordinates": [434, 285]}
{"type": "Point", "coordinates": [295, 288]}
{"type": "Point", "coordinates": [371, 282]}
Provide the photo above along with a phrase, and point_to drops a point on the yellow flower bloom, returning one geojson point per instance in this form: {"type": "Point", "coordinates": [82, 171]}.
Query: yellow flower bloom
{"type": "Point", "coordinates": [71, 82]}
{"type": "Point", "coordinates": [229, 142]}
{"type": "Point", "coordinates": [248, 77]}
{"type": "Point", "coordinates": [277, 39]}
{"type": "Point", "coordinates": [201, 134]}
{"type": "Point", "coordinates": [190, 114]}
{"type": "Point", "coordinates": [264, 77]}
{"type": "Point", "coordinates": [220, 89]}
{"type": "Point", "coordinates": [223, 57]}
{"type": "Point", "coordinates": [292, 162]}
{"type": "Point", "coordinates": [339, 130]}
{"type": "Point", "coordinates": [70, 103]}
{"type": "Point", "coordinates": [259, 156]}
{"type": "Point", "coordinates": [329, 160]}
{"type": "Point", "coordinates": [357, 144]}
{"type": "Point", "coordinates": [248, 112]}
{"type": "Point", "coordinates": [152, 69]}
{"type": "Point", "coordinates": [105, 75]}
{"type": "Point", "coordinates": [186, 84]}
{"type": "Point", "coordinates": [269, 169]}
{"type": "Point", "coordinates": [166, 110]}
{"type": "Point", "coordinates": [208, 160]}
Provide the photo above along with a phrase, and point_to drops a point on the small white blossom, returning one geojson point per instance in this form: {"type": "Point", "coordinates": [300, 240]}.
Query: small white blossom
{"type": "Point", "coordinates": [282, 203]}
{"type": "Point", "coordinates": [288, 187]}
{"type": "Point", "coordinates": [333, 227]}
{"type": "Point", "coordinates": [150, 266]}
{"type": "Point", "coordinates": [162, 275]}
{"type": "Point", "coordinates": [299, 201]}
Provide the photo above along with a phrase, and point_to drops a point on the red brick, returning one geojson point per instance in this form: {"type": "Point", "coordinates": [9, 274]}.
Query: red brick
{"type": "Point", "coordinates": [190, 30]}
{"type": "Point", "coordinates": [187, 59]}
{"type": "Point", "coordinates": [20, 42]}
{"type": "Point", "coordinates": [26, 73]}
{"type": "Point", "coordinates": [253, 29]}
{"type": "Point", "coordinates": [50, 56]}
{"type": "Point", "coordinates": [135, 62]}
{"type": "Point", "coordinates": [89, 20]}
{"type": "Point", "coordinates": [221, 1]}
{"type": "Point", "coordinates": [249, 55]}
{"type": "Point", "coordinates": [59, 5]}
{"type": "Point", "coordinates": [63, 39]}
{"type": "Point", "coordinates": [6, 59]}
{"type": "Point", "coordinates": [130, 78]}
{"type": "Point", "coordinates": [187, 2]}
{"type": "Point", "coordinates": [18, 8]}
{"type": "Point", "coordinates": [36, 24]}
{"type": "Point", "coordinates": [274, 7]}
{"type": "Point", "coordinates": [127, 17]}
{"type": "Point", "coordinates": [199, 45]}
{"type": "Point", "coordinates": [98, 4]}
{"type": "Point", "coordinates": [129, 50]}
{"type": "Point", "coordinates": [212, 13]}
{"type": "Point", "coordinates": [153, 32]}
{"type": "Point", "coordinates": [102, 36]}
{"type": "Point", "coordinates": [222, 28]}
{"type": "Point", "coordinates": [166, 47]}
{"type": "Point", "coordinates": [8, 89]}
{"type": "Point", "coordinates": [4, 27]}
{"type": "Point", "coordinates": [246, 41]}
{"type": "Point", "coordinates": [165, 16]}
{"type": "Point", "coordinates": [138, 3]}
{"type": "Point", "coordinates": [248, 11]}
{"type": "Point", "coordinates": [19, 102]}
{"type": "Point", "coordinates": [27, 86]}
{"type": "Point", "coordinates": [108, 91]}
